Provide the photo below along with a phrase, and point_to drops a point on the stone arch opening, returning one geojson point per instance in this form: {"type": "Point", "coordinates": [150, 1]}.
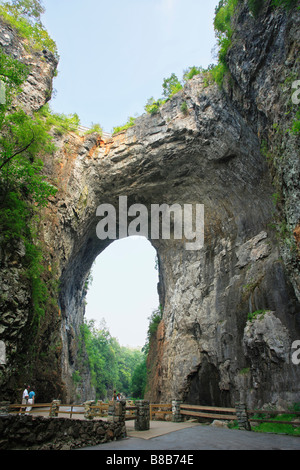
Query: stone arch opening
{"type": "Point", "coordinates": [206, 294]}
{"type": "Point", "coordinates": [123, 289]}
{"type": "Point", "coordinates": [73, 299]}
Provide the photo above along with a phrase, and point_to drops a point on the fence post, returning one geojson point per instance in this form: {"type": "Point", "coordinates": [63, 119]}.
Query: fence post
{"type": "Point", "coordinates": [142, 422]}
{"type": "Point", "coordinates": [176, 415]}
{"type": "Point", "coordinates": [120, 411]}
{"type": "Point", "coordinates": [88, 411]}
{"type": "Point", "coordinates": [242, 417]}
{"type": "Point", "coordinates": [4, 408]}
{"type": "Point", "coordinates": [116, 414]}
{"type": "Point", "coordinates": [54, 409]}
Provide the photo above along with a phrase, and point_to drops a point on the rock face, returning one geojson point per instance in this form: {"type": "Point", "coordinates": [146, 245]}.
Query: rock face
{"type": "Point", "coordinates": [206, 350]}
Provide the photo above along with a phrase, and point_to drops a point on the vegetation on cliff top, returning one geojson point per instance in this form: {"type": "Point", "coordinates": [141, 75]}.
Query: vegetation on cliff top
{"type": "Point", "coordinates": [224, 29]}
{"type": "Point", "coordinates": [25, 17]}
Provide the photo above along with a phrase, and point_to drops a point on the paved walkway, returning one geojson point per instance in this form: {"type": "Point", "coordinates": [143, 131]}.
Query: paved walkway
{"type": "Point", "coordinates": [192, 436]}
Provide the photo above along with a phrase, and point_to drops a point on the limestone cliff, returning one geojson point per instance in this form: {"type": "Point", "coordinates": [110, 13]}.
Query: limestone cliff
{"type": "Point", "coordinates": [207, 351]}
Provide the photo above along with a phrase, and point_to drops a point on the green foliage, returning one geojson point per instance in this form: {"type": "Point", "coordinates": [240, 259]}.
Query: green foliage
{"type": "Point", "coordinates": [154, 320]}
{"type": "Point", "coordinates": [223, 17]}
{"type": "Point", "coordinates": [24, 139]}
{"type": "Point", "coordinates": [129, 123]}
{"type": "Point", "coordinates": [152, 106]}
{"type": "Point", "coordinates": [39, 288]}
{"type": "Point", "coordinates": [255, 6]}
{"type": "Point", "coordinates": [139, 380]}
{"type": "Point", "coordinates": [191, 72]}
{"type": "Point", "coordinates": [12, 73]}
{"type": "Point", "coordinates": [184, 107]}
{"type": "Point", "coordinates": [278, 428]}
{"type": "Point", "coordinates": [96, 128]}
{"type": "Point", "coordinates": [288, 4]}
{"type": "Point", "coordinates": [31, 9]}
{"type": "Point", "coordinates": [24, 16]}
{"type": "Point", "coordinates": [60, 123]}
{"type": "Point", "coordinates": [296, 124]}
{"type": "Point", "coordinates": [255, 315]}
{"type": "Point", "coordinates": [224, 31]}
{"type": "Point", "coordinates": [114, 367]}
{"type": "Point", "coordinates": [111, 365]}
{"type": "Point", "coordinates": [171, 86]}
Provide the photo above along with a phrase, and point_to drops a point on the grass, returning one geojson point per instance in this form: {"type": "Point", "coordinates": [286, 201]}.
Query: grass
{"type": "Point", "coordinates": [278, 428]}
{"type": "Point", "coordinates": [255, 315]}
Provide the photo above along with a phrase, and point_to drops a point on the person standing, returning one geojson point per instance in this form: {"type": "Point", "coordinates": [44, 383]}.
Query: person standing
{"type": "Point", "coordinates": [30, 400]}
{"type": "Point", "coordinates": [25, 396]}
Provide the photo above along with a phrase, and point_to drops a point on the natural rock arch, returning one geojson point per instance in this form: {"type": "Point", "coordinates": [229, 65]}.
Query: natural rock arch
{"type": "Point", "coordinates": [206, 294]}
{"type": "Point", "coordinates": [210, 155]}
{"type": "Point", "coordinates": [122, 289]}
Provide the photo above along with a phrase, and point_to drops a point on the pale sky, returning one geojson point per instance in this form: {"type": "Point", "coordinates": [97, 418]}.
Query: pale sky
{"type": "Point", "coordinates": [114, 56]}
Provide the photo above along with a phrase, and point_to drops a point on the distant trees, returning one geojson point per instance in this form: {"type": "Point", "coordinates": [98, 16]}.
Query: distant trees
{"type": "Point", "coordinates": [112, 366]}
{"type": "Point", "coordinates": [115, 367]}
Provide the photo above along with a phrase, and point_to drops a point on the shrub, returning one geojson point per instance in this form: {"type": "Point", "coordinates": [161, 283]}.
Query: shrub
{"type": "Point", "coordinates": [130, 123]}
{"type": "Point", "coordinates": [171, 86]}
{"type": "Point", "coordinates": [61, 123]}
{"type": "Point", "coordinates": [152, 106]}
{"type": "Point", "coordinates": [95, 128]}
{"type": "Point", "coordinates": [191, 72]}
{"type": "Point", "coordinates": [255, 315]}
{"type": "Point", "coordinates": [184, 107]}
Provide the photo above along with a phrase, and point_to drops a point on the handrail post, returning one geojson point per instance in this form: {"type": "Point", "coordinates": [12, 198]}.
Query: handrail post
{"type": "Point", "coordinates": [176, 414]}
{"type": "Point", "coordinates": [242, 417]}
{"type": "Point", "coordinates": [142, 422]}
{"type": "Point", "coordinates": [54, 408]}
{"type": "Point", "coordinates": [117, 412]}
{"type": "Point", "coordinates": [4, 408]}
{"type": "Point", "coordinates": [88, 410]}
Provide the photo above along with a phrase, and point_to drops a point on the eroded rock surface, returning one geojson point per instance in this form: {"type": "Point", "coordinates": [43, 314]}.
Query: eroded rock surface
{"type": "Point", "coordinates": [209, 155]}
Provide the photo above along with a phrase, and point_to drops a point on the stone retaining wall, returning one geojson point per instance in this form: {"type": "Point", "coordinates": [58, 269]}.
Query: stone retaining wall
{"type": "Point", "coordinates": [39, 433]}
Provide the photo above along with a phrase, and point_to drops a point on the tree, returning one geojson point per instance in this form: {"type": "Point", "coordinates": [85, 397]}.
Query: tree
{"type": "Point", "coordinates": [25, 17]}
{"type": "Point", "coordinates": [111, 365]}
{"type": "Point", "coordinates": [23, 139]}
{"type": "Point", "coordinates": [171, 86]}
{"type": "Point", "coordinates": [30, 9]}
{"type": "Point", "coordinates": [139, 379]}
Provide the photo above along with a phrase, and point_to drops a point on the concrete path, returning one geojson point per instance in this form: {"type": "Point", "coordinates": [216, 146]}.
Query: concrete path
{"type": "Point", "coordinates": [199, 437]}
